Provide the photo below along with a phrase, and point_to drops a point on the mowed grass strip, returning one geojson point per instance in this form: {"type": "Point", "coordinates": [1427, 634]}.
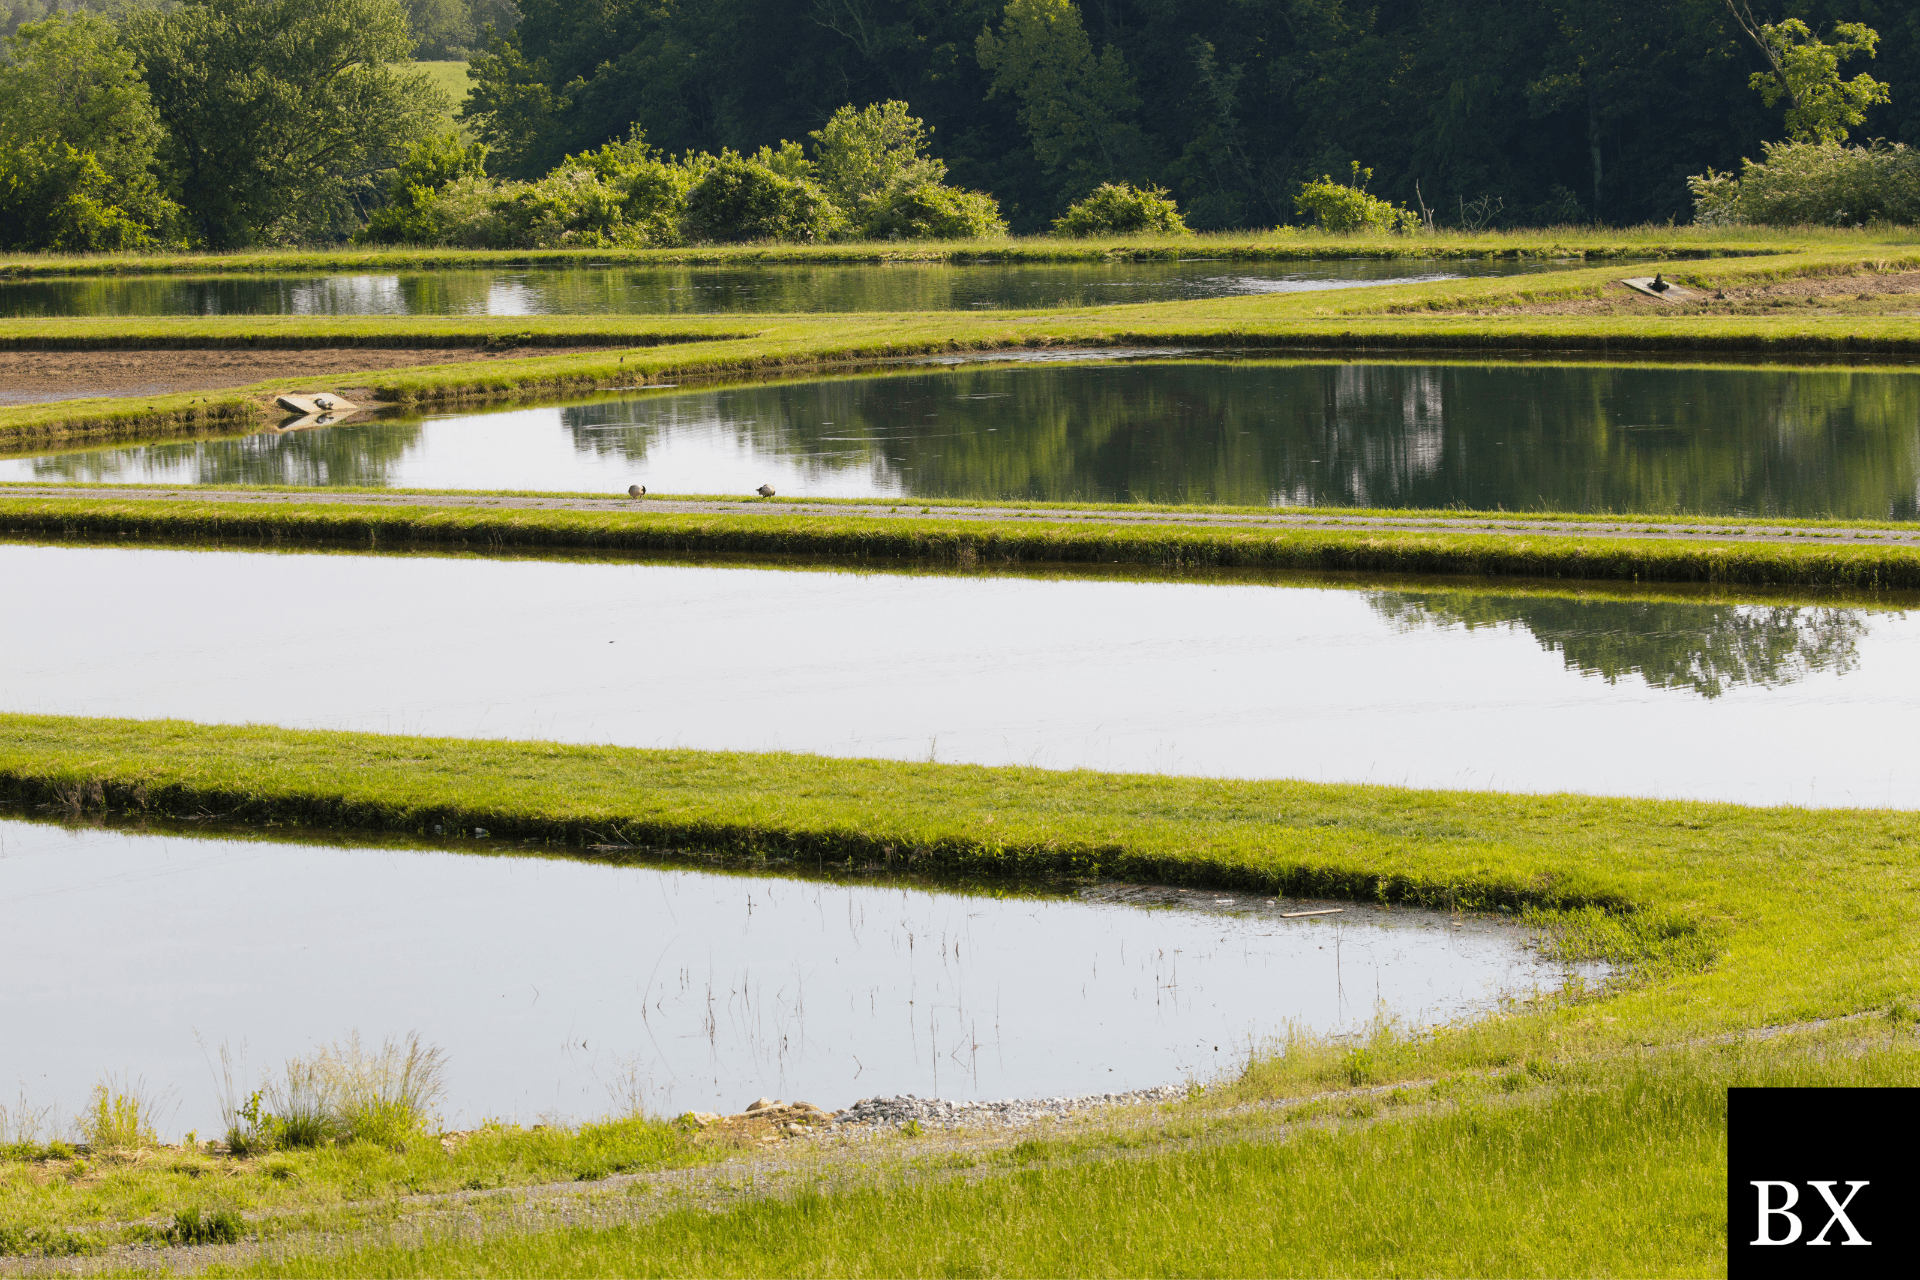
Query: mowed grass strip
{"type": "Point", "coordinates": [1736, 916]}
{"type": "Point", "coordinates": [1553, 242]}
{"type": "Point", "coordinates": [1617, 1169]}
{"type": "Point", "coordinates": [935, 537]}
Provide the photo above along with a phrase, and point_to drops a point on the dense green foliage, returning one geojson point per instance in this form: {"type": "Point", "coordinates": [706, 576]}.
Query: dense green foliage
{"type": "Point", "coordinates": [869, 177]}
{"type": "Point", "coordinates": [1549, 111]}
{"type": "Point", "coordinates": [78, 136]}
{"type": "Point", "coordinates": [1347, 206]}
{"type": "Point", "coordinates": [450, 30]}
{"type": "Point", "coordinates": [1119, 208]}
{"type": "Point", "coordinates": [1823, 183]}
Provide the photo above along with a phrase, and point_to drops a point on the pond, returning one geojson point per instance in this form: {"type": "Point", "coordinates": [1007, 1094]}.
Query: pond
{"type": "Point", "coordinates": [567, 987]}
{"type": "Point", "coordinates": [1776, 442]}
{"type": "Point", "coordinates": [705, 290]}
{"type": "Point", "coordinates": [1651, 693]}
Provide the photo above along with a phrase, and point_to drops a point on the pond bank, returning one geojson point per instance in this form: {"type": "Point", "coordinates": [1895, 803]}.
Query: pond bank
{"type": "Point", "coordinates": [1873, 555]}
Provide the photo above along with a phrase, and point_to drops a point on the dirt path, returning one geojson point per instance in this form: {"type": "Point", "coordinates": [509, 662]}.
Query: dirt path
{"type": "Point", "coordinates": [1729, 530]}
{"type": "Point", "coordinates": [37, 377]}
{"type": "Point", "coordinates": [1886, 295]}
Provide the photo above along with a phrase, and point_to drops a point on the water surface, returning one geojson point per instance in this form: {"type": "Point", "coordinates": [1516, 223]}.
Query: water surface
{"type": "Point", "coordinates": [568, 987]}
{"type": "Point", "coordinates": [1777, 442]}
{"type": "Point", "coordinates": [708, 290]}
{"type": "Point", "coordinates": [1651, 694]}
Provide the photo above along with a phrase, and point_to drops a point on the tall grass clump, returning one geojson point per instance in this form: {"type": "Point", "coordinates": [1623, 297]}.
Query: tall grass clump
{"type": "Point", "coordinates": [343, 1092]}
{"type": "Point", "coordinates": [118, 1119]}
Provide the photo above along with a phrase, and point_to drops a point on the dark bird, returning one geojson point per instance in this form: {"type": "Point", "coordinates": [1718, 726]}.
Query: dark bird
{"type": "Point", "coordinates": [636, 491]}
{"type": "Point", "coordinates": [1659, 284]}
{"type": "Point", "coordinates": [765, 491]}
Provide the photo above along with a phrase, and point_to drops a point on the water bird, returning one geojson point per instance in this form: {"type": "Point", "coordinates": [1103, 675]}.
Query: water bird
{"type": "Point", "coordinates": [636, 491]}
{"type": "Point", "coordinates": [765, 491]}
{"type": "Point", "coordinates": [1659, 284]}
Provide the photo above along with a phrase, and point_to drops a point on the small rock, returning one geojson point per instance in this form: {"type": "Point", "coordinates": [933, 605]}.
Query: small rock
{"type": "Point", "coordinates": [761, 1104]}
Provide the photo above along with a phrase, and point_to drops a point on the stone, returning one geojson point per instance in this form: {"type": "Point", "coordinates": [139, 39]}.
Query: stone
{"type": "Point", "coordinates": [761, 1104]}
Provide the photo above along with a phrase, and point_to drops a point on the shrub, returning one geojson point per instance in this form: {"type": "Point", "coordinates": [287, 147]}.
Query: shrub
{"type": "Point", "coordinates": [412, 214]}
{"type": "Point", "coordinates": [739, 200]}
{"type": "Point", "coordinates": [1826, 183]}
{"type": "Point", "coordinates": [1347, 206]}
{"type": "Point", "coordinates": [384, 1096]}
{"type": "Point", "coordinates": [570, 207]}
{"type": "Point", "coordinates": [929, 211]}
{"type": "Point", "coordinates": [1120, 208]}
{"type": "Point", "coordinates": [862, 155]}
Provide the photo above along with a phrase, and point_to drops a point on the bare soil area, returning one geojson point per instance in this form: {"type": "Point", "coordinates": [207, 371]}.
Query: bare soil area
{"type": "Point", "coordinates": [1889, 295]}
{"type": "Point", "coordinates": [35, 377]}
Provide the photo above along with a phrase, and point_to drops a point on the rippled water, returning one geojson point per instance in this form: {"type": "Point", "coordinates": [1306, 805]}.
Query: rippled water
{"type": "Point", "coordinates": [575, 987]}
{"type": "Point", "coordinates": [705, 290]}
{"type": "Point", "coordinates": [1781, 442]}
{"type": "Point", "coordinates": [1659, 693]}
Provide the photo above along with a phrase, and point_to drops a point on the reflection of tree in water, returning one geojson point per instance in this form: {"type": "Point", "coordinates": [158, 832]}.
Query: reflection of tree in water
{"type": "Point", "coordinates": [1708, 648]}
{"type": "Point", "coordinates": [357, 453]}
{"type": "Point", "coordinates": [1514, 438]}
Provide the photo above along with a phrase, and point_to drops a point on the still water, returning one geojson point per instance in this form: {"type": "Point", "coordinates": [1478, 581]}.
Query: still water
{"type": "Point", "coordinates": [1656, 694]}
{"type": "Point", "coordinates": [1777, 442]}
{"type": "Point", "coordinates": [559, 986]}
{"type": "Point", "coordinates": [707, 290]}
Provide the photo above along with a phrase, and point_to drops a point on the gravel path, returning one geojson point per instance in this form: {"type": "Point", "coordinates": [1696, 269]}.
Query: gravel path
{"type": "Point", "coordinates": [1728, 531]}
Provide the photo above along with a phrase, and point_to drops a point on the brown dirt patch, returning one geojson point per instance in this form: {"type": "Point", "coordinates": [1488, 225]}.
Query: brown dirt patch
{"type": "Point", "coordinates": [35, 377]}
{"type": "Point", "coordinates": [1890, 294]}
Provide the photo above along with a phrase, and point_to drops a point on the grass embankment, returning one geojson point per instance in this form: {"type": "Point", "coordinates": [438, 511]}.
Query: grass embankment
{"type": "Point", "coordinates": [1583, 1169]}
{"type": "Point", "coordinates": [1754, 915]}
{"type": "Point", "coordinates": [1734, 917]}
{"type": "Point", "coordinates": [1278, 246]}
{"type": "Point", "coordinates": [55, 1201]}
{"type": "Point", "coordinates": [1548, 1131]}
{"type": "Point", "coordinates": [944, 539]}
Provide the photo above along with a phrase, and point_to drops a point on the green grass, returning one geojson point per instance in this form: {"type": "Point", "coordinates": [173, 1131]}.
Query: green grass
{"type": "Point", "coordinates": [1763, 915]}
{"type": "Point", "coordinates": [1542, 1138]}
{"type": "Point", "coordinates": [1831, 556]}
{"type": "Point", "coordinates": [451, 79]}
{"type": "Point", "coordinates": [56, 1193]}
{"type": "Point", "coordinates": [1551, 242]}
{"type": "Point", "coordinates": [1602, 1169]}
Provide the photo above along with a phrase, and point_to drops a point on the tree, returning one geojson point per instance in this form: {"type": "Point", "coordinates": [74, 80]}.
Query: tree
{"type": "Point", "coordinates": [1805, 70]}
{"type": "Point", "coordinates": [77, 141]}
{"type": "Point", "coordinates": [280, 112]}
{"type": "Point", "coordinates": [1076, 106]}
{"type": "Point", "coordinates": [860, 155]}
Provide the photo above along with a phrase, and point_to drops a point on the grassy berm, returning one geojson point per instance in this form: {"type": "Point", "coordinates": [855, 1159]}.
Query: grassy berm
{"type": "Point", "coordinates": [1577, 1135]}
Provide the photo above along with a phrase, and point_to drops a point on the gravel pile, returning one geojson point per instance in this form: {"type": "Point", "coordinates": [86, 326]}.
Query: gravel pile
{"type": "Point", "coordinates": [1008, 1113]}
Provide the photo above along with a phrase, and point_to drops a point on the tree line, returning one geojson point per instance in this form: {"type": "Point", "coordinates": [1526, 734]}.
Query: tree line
{"type": "Point", "coordinates": [224, 123]}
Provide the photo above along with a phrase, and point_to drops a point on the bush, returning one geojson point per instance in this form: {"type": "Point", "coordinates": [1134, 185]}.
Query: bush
{"type": "Point", "coordinates": [412, 214]}
{"type": "Point", "coordinates": [1120, 208]}
{"type": "Point", "coordinates": [1825, 183]}
{"type": "Point", "coordinates": [1347, 206]}
{"type": "Point", "coordinates": [929, 211]}
{"type": "Point", "coordinates": [740, 200]}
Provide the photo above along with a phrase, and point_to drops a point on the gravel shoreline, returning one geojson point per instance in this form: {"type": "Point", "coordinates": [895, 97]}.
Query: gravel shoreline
{"type": "Point", "coordinates": [1007, 1113]}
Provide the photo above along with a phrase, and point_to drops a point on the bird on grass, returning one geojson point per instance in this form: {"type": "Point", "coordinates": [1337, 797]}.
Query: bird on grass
{"type": "Point", "coordinates": [636, 491]}
{"type": "Point", "coordinates": [765, 491]}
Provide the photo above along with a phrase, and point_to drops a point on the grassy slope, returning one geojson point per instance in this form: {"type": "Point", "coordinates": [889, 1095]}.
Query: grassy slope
{"type": "Point", "coordinates": [1805, 912]}
{"type": "Point", "coordinates": [1609, 1171]}
{"type": "Point", "coordinates": [1823, 561]}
